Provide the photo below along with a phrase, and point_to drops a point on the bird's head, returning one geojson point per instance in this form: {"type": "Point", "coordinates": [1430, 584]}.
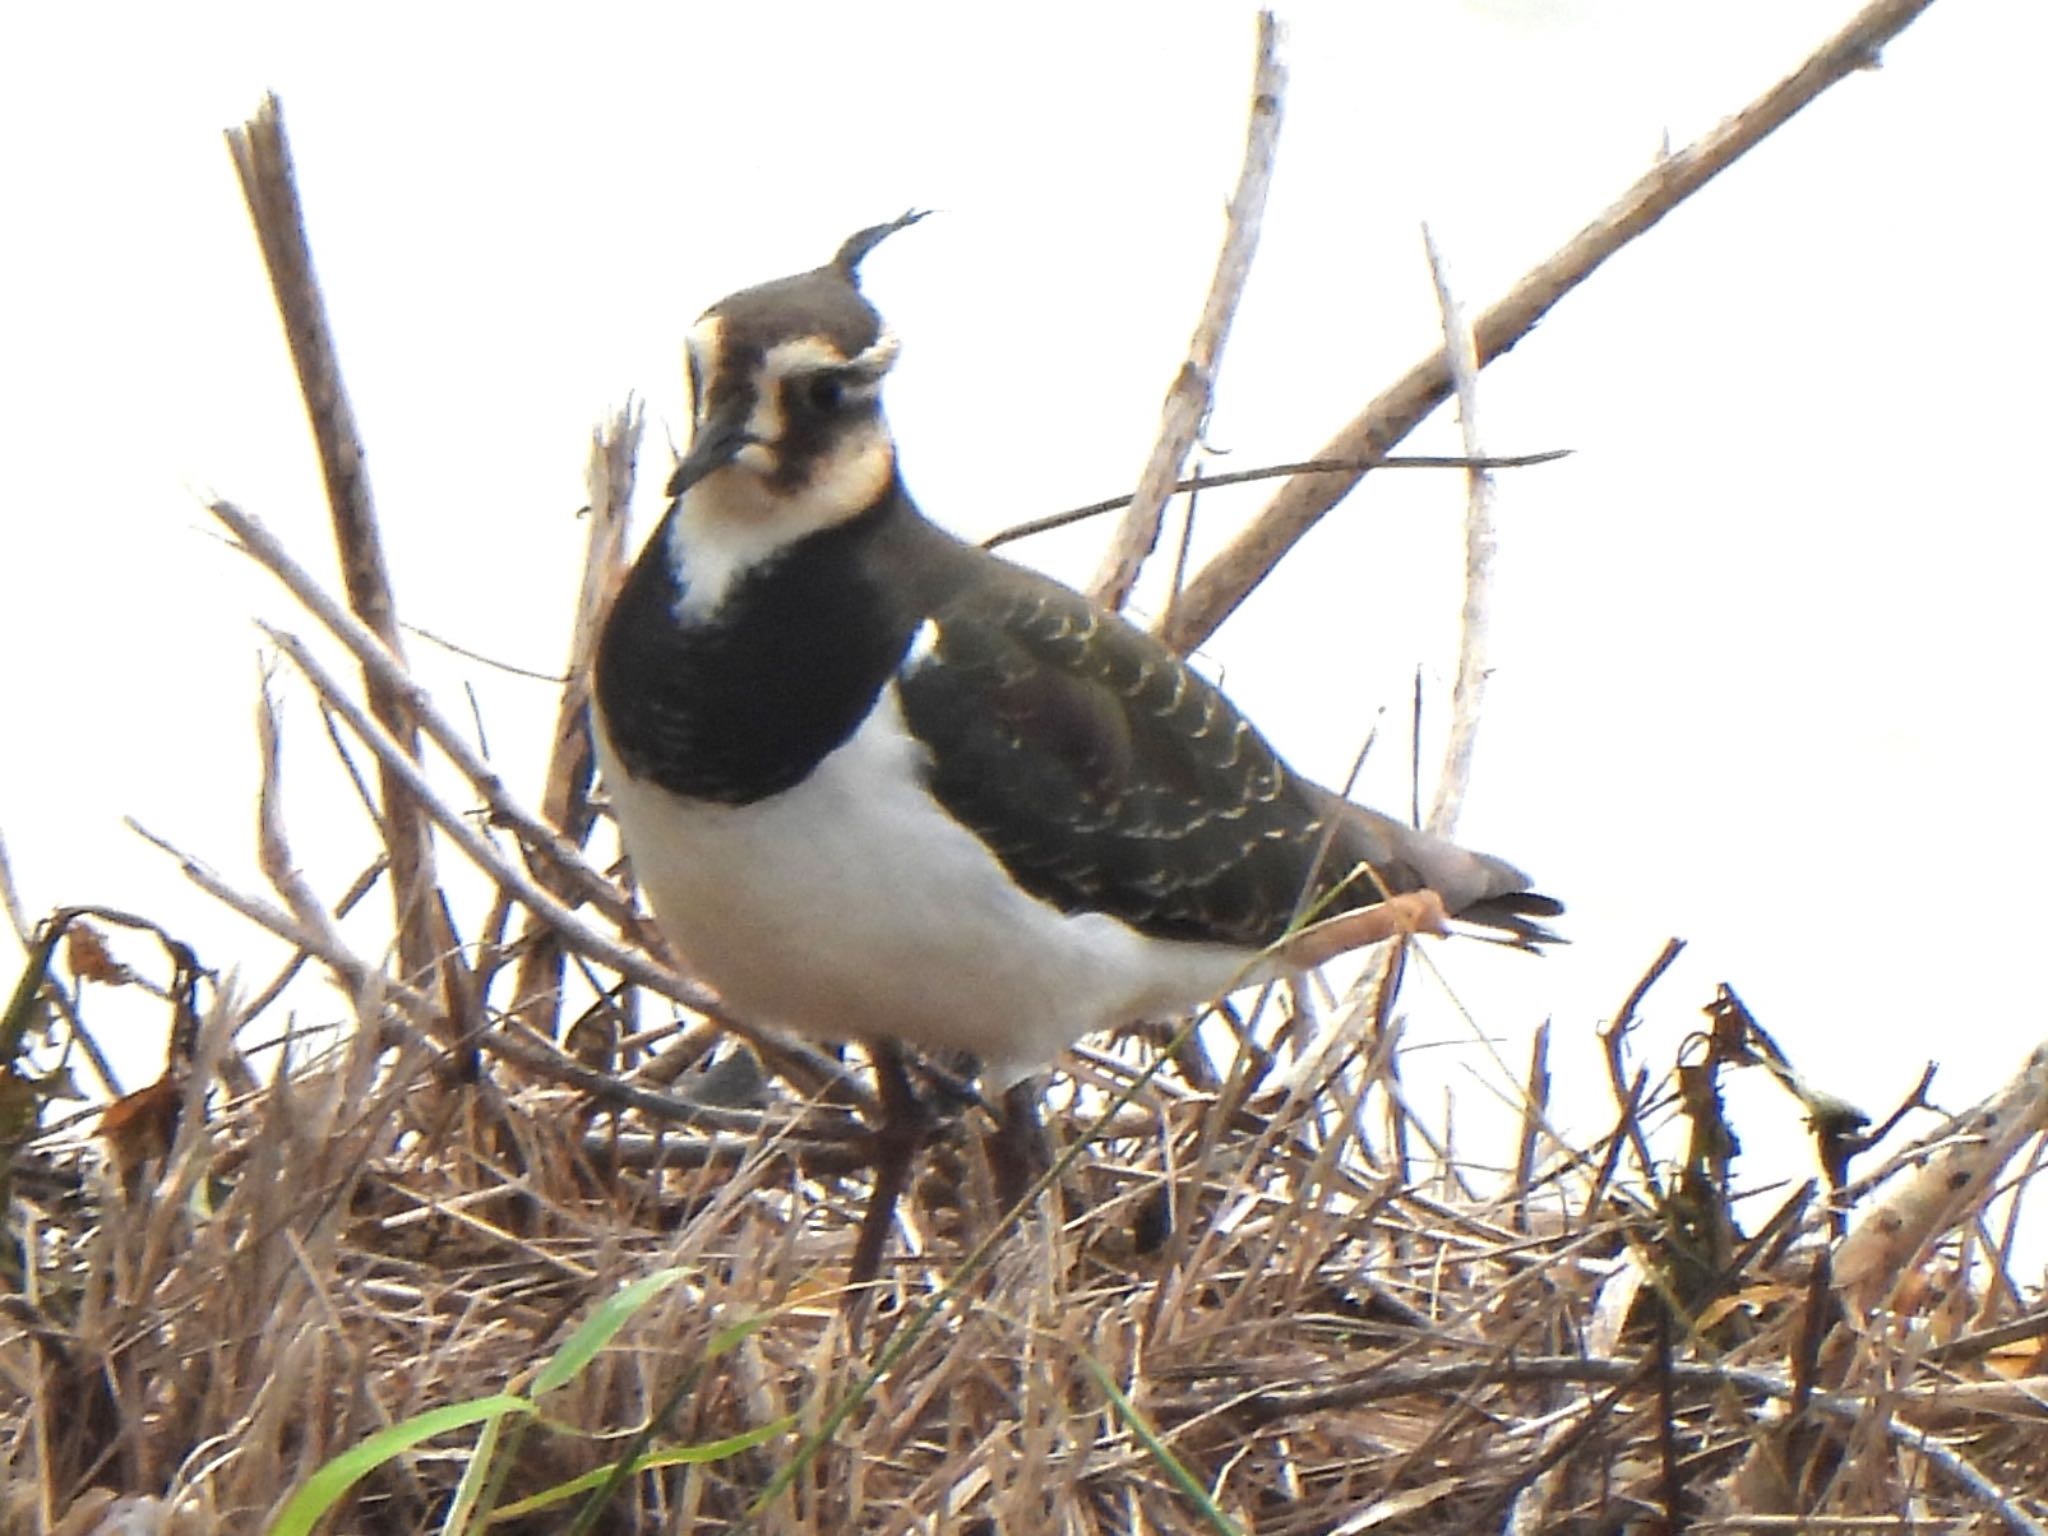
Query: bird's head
{"type": "Point", "coordinates": [786, 395]}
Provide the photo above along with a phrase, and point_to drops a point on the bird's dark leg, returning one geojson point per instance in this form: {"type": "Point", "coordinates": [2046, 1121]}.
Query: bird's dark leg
{"type": "Point", "coordinates": [1019, 1152]}
{"type": "Point", "coordinates": [898, 1134]}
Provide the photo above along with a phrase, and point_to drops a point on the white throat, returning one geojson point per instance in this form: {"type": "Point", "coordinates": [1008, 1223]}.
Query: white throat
{"type": "Point", "coordinates": [733, 520]}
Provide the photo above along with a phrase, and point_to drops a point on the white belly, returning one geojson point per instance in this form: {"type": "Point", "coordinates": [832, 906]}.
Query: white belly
{"type": "Point", "coordinates": [852, 907]}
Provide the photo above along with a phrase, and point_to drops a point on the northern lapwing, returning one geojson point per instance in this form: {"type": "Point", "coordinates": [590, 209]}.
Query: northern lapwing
{"type": "Point", "coordinates": [882, 785]}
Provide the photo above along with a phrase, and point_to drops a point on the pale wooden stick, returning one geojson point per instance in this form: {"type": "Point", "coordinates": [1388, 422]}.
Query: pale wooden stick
{"type": "Point", "coordinates": [325, 945]}
{"type": "Point", "coordinates": [1209, 480]}
{"type": "Point", "coordinates": [274, 858]}
{"type": "Point", "coordinates": [1193, 390]}
{"type": "Point", "coordinates": [565, 796]}
{"type": "Point", "coordinates": [368, 985]}
{"type": "Point", "coordinates": [1225, 582]}
{"type": "Point", "coordinates": [579, 935]}
{"type": "Point", "coordinates": [1461, 353]}
{"type": "Point", "coordinates": [377, 660]}
{"type": "Point", "coordinates": [1946, 1188]}
{"type": "Point", "coordinates": [263, 160]}
{"type": "Point", "coordinates": [10, 903]}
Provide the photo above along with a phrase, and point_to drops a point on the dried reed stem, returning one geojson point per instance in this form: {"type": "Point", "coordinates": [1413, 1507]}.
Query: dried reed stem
{"type": "Point", "coordinates": [1189, 397]}
{"type": "Point", "coordinates": [1461, 354]}
{"type": "Point", "coordinates": [1229, 578]}
{"type": "Point", "coordinates": [572, 767]}
{"type": "Point", "coordinates": [263, 160]}
{"type": "Point", "coordinates": [1949, 1184]}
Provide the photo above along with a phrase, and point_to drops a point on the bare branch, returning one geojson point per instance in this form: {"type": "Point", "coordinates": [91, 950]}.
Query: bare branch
{"type": "Point", "coordinates": [355, 973]}
{"type": "Point", "coordinates": [378, 662]}
{"type": "Point", "coordinates": [1612, 1037]}
{"type": "Point", "coordinates": [1206, 480]}
{"type": "Point", "coordinates": [357, 890]}
{"type": "Point", "coordinates": [273, 845]}
{"type": "Point", "coordinates": [1382, 1384]}
{"type": "Point", "coordinates": [1193, 391]}
{"type": "Point", "coordinates": [1946, 1186]}
{"type": "Point", "coordinates": [1225, 582]}
{"type": "Point", "coordinates": [572, 769]}
{"type": "Point", "coordinates": [10, 902]}
{"type": "Point", "coordinates": [263, 160]}
{"type": "Point", "coordinates": [629, 962]}
{"type": "Point", "coordinates": [1461, 353]}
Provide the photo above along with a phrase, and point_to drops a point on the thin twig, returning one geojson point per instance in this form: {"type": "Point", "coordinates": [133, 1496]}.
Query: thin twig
{"type": "Point", "coordinates": [273, 847]}
{"type": "Point", "coordinates": [1379, 1386]}
{"type": "Point", "coordinates": [1414, 752]}
{"type": "Point", "coordinates": [457, 649]}
{"type": "Point", "coordinates": [263, 160]}
{"type": "Point", "coordinates": [631, 963]}
{"type": "Point", "coordinates": [353, 769]}
{"type": "Point", "coordinates": [1462, 355]}
{"type": "Point", "coordinates": [1535, 1111]}
{"type": "Point", "coordinates": [261, 545]}
{"type": "Point", "coordinates": [1228, 578]}
{"type": "Point", "coordinates": [1204, 480]}
{"type": "Point", "coordinates": [1947, 1185]}
{"type": "Point", "coordinates": [572, 768]}
{"type": "Point", "coordinates": [10, 902]}
{"type": "Point", "coordinates": [357, 890]}
{"type": "Point", "coordinates": [356, 973]}
{"type": "Point", "coordinates": [1181, 550]}
{"type": "Point", "coordinates": [1193, 391]}
{"type": "Point", "coordinates": [1612, 1035]}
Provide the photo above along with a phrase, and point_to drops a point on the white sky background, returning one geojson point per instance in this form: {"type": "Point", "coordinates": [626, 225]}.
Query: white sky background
{"type": "Point", "coordinates": [1765, 646]}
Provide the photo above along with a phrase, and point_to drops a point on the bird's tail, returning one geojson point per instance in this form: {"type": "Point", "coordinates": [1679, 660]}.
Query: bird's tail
{"type": "Point", "coordinates": [1476, 887]}
{"type": "Point", "coordinates": [1515, 915]}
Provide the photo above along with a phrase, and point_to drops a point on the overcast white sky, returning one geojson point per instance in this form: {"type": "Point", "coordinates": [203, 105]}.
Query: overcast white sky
{"type": "Point", "coordinates": [1766, 646]}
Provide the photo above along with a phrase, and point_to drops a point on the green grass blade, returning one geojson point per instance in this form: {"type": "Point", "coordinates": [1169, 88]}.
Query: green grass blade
{"type": "Point", "coordinates": [666, 1456]}
{"type": "Point", "coordinates": [599, 1329]}
{"type": "Point", "coordinates": [1176, 1472]}
{"type": "Point", "coordinates": [726, 1337]}
{"type": "Point", "coordinates": [475, 1476]}
{"type": "Point", "coordinates": [324, 1489]}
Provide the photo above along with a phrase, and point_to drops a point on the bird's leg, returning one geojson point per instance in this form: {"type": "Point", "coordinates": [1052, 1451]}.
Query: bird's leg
{"type": "Point", "coordinates": [898, 1135]}
{"type": "Point", "coordinates": [1019, 1151]}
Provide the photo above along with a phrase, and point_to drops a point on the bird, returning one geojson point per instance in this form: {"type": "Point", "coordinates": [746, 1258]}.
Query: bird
{"type": "Point", "coordinates": [881, 785]}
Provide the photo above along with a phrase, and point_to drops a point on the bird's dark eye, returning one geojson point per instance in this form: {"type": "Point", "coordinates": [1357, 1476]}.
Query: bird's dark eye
{"type": "Point", "coordinates": [825, 392]}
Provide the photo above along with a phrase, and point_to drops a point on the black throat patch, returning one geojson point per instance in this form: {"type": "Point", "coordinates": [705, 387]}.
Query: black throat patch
{"type": "Point", "coordinates": [746, 702]}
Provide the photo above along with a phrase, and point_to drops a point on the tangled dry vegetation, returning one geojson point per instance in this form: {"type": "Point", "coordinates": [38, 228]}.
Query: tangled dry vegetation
{"type": "Point", "coordinates": [1263, 1282]}
{"type": "Point", "coordinates": [1264, 1295]}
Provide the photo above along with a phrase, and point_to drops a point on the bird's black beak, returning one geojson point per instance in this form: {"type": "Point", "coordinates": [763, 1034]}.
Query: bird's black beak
{"type": "Point", "coordinates": [719, 437]}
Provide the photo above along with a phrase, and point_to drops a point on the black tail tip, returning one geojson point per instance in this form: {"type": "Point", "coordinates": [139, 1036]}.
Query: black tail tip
{"type": "Point", "coordinates": [1515, 915]}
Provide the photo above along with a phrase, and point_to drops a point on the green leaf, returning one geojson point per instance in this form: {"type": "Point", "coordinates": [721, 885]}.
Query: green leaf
{"type": "Point", "coordinates": [1170, 1464]}
{"type": "Point", "coordinates": [599, 1329]}
{"type": "Point", "coordinates": [324, 1489]}
{"type": "Point", "coordinates": [476, 1474]}
{"type": "Point", "coordinates": [665, 1456]}
{"type": "Point", "coordinates": [728, 1336]}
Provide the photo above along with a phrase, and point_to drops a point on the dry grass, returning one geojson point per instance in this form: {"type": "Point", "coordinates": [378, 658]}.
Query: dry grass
{"type": "Point", "coordinates": [1322, 1340]}
{"type": "Point", "coordinates": [1264, 1298]}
